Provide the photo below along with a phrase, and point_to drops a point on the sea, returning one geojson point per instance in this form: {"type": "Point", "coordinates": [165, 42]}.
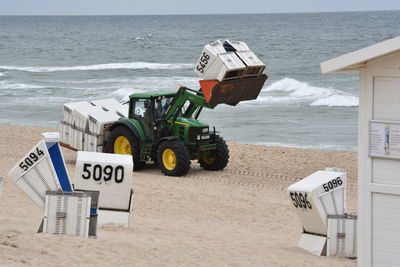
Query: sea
{"type": "Point", "coordinates": [46, 61]}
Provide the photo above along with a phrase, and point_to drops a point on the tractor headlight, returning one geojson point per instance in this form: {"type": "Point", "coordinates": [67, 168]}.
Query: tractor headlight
{"type": "Point", "coordinates": [205, 130]}
{"type": "Point", "coordinates": [199, 137]}
{"type": "Point", "coordinates": [205, 137]}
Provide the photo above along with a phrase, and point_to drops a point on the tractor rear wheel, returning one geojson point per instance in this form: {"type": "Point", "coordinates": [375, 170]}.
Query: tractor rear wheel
{"type": "Point", "coordinates": [122, 141]}
{"type": "Point", "coordinates": [173, 158]}
{"type": "Point", "coordinates": [218, 159]}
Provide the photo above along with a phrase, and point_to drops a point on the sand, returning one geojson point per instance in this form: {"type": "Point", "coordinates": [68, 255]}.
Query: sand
{"type": "Point", "coordinates": [241, 216]}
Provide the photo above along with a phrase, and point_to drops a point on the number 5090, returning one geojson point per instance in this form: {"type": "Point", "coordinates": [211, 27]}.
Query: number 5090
{"type": "Point", "coordinates": [99, 173]}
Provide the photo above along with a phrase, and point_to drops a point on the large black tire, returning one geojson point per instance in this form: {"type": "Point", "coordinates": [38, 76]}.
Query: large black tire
{"type": "Point", "coordinates": [173, 158]}
{"type": "Point", "coordinates": [122, 131]}
{"type": "Point", "coordinates": [219, 158]}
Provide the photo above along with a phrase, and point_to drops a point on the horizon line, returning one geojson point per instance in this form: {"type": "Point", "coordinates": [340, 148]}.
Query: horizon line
{"type": "Point", "coordinates": [198, 14]}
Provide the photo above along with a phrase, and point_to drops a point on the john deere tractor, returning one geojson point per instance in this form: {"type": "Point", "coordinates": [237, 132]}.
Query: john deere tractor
{"type": "Point", "coordinates": [164, 127]}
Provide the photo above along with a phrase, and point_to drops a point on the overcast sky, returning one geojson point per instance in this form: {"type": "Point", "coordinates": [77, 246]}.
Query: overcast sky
{"type": "Point", "coordinates": [135, 7]}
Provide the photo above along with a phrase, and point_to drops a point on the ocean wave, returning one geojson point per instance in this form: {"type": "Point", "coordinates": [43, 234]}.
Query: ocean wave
{"type": "Point", "coordinates": [2, 74]}
{"type": "Point", "coordinates": [119, 86]}
{"type": "Point", "coordinates": [154, 84]}
{"type": "Point", "coordinates": [153, 80]}
{"type": "Point", "coordinates": [292, 90]}
{"type": "Point", "coordinates": [124, 93]}
{"type": "Point", "coordinates": [337, 101]}
{"type": "Point", "coordinates": [108, 66]}
{"type": "Point", "coordinates": [335, 147]}
{"type": "Point", "coordinates": [91, 81]}
{"type": "Point", "coordinates": [8, 85]}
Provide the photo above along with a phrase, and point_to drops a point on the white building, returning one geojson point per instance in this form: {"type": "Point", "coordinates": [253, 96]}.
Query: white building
{"type": "Point", "coordinates": [378, 149]}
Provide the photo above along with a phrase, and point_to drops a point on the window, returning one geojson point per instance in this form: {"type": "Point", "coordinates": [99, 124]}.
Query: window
{"type": "Point", "coordinates": [138, 108]}
{"type": "Point", "coordinates": [162, 106]}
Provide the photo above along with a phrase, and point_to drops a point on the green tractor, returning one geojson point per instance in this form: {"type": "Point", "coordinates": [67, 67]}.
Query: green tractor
{"type": "Point", "coordinates": [164, 127]}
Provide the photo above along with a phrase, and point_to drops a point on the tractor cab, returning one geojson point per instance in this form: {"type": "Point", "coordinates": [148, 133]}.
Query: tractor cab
{"type": "Point", "coordinates": [148, 109]}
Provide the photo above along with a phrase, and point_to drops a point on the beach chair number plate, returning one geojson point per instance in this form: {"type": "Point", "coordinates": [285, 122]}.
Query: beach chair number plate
{"type": "Point", "coordinates": [110, 174]}
{"type": "Point", "coordinates": [33, 157]}
{"type": "Point", "coordinates": [300, 200]}
{"type": "Point", "coordinates": [35, 174]}
{"type": "Point", "coordinates": [102, 174]}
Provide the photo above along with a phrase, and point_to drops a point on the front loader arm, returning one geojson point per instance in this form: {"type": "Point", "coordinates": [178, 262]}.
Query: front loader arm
{"type": "Point", "coordinates": [182, 96]}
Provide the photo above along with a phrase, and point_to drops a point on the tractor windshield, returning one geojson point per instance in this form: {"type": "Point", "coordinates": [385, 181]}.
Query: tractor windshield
{"type": "Point", "coordinates": [142, 111]}
{"type": "Point", "coordinates": [162, 106]}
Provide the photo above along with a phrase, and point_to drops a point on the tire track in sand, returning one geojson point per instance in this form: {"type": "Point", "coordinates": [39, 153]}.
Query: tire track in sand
{"type": "Point", "coordinates": [256, 180]}
{"type": "Point", "coordinates": [249, 179]}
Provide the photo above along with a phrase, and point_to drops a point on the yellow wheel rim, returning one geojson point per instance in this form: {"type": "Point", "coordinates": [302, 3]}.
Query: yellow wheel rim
{"type": "Point", "coordinates": [169, 159]}
{"type": "Point", "coordinates": [208, 160]}
{"type": "Point", "coordinates": [122, 146]}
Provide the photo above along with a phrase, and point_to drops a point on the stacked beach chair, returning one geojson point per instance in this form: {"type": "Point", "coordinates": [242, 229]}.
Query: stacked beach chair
{"type": "Point", "coordinates": [228, 59]}
{"type": "Point", "coordinates": [84, 122]}
{"type": "Point", "coordinates": [102, 193]}
{"type": "Point", "coordinates": [42, 175]}
{"type": "Point", "coordinates": [320, 202]}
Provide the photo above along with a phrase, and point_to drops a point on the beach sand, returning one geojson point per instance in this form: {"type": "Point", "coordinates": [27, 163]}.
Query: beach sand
{"type": "Point", "coordinates": [241, 216]}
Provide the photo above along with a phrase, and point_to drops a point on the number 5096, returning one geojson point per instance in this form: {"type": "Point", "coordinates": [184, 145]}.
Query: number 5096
{"type": "Point", "coordinates": [332, 184]}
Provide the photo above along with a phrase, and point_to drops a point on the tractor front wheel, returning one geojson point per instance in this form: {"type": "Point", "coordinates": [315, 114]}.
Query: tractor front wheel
{"type": "Point", "coordinates": [173, 158]}
{"type": "Point", "coordinates": [122, 141]}
{"type": "Point", "coordinates": [218, 159]}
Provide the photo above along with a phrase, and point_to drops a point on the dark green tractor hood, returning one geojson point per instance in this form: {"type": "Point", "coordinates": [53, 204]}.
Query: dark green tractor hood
{"type": "Point", "coordinates": [187, 122]}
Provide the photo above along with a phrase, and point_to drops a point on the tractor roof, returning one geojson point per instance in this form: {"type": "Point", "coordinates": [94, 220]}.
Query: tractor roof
{"type": "Point", "coordinates": [152, 95]}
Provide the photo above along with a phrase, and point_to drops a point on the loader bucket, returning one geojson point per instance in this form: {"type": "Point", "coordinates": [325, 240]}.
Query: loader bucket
{"type": "Point", "coordinates": [233, 91]}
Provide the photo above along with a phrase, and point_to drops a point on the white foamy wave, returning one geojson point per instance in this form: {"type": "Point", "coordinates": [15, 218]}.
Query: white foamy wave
{"type": "Point", "coordinates": [91, 81]}
{"type": "Point", "coordinates": [8, 85]}
{"type": "Point", "coordinates": [298, 88]}
{"type": "Point", "coordinates": [148, 81]}
{"type": "Point", "coordinates": [292, 90]}
{"type": "Point", "coordinates": [109, 66]}
{"type": "Point", "coordinates": [124, 93]}
{"type": "Point", "coordinates": [315, 146]}
{"type": "Point", "coordinates": [2, 74]}
{"type": "Point", "coordinates": [337, 101]}
{"type": "Point", "coordinates": [154, 84]}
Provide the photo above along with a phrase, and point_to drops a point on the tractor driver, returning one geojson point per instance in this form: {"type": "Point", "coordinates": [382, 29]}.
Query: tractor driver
{"type": "Point", "coordinates": [148, 118]}
{"type": "Point", "coordinates": [162, 106]}
{"type": "Point", "coordinates": [166, 105]}
{"type": "Point", "coordinates": [159, 110]}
